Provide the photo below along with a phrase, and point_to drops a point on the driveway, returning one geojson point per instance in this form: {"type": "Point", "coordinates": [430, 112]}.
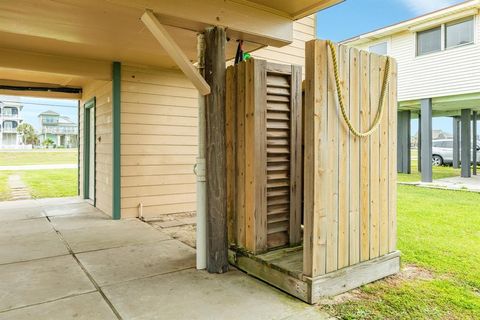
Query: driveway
{"type": "Point", "coordinates": [63, 259]}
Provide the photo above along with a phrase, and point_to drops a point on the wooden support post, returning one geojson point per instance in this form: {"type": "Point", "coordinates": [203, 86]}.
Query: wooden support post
{"type": "Point", "coordinates": [474, 142]}
{"type": "Point", "coordinates": [215, 70]}
{"type": "Point", "coordinates": [466, 148]}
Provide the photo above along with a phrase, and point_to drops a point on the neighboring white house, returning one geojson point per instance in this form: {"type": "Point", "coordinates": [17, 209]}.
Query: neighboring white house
{"type": "Point", "coordinates": [60, 129]}
{"type": "Point", "coordinates": [438, 57]}
{"type": "Point", "coordinates": [10, 119]}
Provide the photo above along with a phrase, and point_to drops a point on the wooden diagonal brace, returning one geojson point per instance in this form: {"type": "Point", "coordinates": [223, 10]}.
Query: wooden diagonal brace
{"type": "Point", "coordinates": [175, 52]}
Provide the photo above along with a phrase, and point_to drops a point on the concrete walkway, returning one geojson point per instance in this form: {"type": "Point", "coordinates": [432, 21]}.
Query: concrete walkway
{"type": "Point", "coordinates": [454, 183]}
{"type": "Point", "coordinates": [18, 189]}
{"type": "Point", "coordinates": [39, 167]}
{"type": "Point", "coordinates": [63, 259]}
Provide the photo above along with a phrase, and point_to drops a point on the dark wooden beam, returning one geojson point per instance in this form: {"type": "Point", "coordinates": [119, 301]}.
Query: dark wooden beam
{"type": "Point", "coordinates": [215, 70]}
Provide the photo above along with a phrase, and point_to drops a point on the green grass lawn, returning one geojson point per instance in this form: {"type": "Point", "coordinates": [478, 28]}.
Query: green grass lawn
{"type": "Point", "coordinates": [40, 156]}
{"type": "Point", "coordinates": [51, 183]}
{"type": "Point", "coordinates": [439, 233]}
{"type": "Point", "coordinates": [4, 189]}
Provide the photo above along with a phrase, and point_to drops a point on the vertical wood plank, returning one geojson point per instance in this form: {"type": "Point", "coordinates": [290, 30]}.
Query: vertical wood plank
{"type": "Point", "coordinates": [296, 156]}
{"type": "Point", "coordinates": [374, 160]}
{"type": "Point", "coordinates": [230, 140]}
{"type": "Point", "coordinates": [217, 242]}
{"type": "Point", "coordinates": [343, 161]}
{"type": "Point", "coordinates": [332, 170]}
{"type": "Point", "coordinates": [384, 164]}
{"type": "Point", "coordinates": [392, 185]}
{"type": "Point", "coordinates": [364, 157]}
{"type": "Point", "coordinates": [260, 153]}
{"type": "Point", "coordinates": [240, 156]}
{"type": "Point", "coordinates": [354, 158]}
{"type": "Point", "coordinates": [315, 164]}
{"type": "Point", "coordinates": [255, 156]}
{"type": "Point", "coordinates": [250, 178]}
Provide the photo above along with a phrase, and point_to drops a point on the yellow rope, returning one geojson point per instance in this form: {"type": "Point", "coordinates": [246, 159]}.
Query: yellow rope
{"type": "Point", "coordinates": [378, 116]}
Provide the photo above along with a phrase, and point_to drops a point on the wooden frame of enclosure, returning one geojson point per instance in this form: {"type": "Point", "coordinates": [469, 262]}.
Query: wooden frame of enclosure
{"type": "Point", "coordinates": [349, 188]}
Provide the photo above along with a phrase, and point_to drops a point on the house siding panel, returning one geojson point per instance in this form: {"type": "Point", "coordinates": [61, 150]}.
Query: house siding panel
{"type": "Point", "coordinates": [303, 31]}
{"type": "Point", "coordinates": [102, 91]}
{"type": "Point", "coordinates": [159, 142]}
{"type": "Point", "coordinates": [450, 72]}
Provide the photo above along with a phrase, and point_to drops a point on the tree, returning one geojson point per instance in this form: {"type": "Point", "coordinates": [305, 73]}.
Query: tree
{"type": "Point", "coordinates": [28, 133]}
{"type": "Point", "coordinates": [48, 142]}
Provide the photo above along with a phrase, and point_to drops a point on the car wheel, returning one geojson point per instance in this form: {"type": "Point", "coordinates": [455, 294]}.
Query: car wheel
{"type": "Point", "coordinates": [437, 160]}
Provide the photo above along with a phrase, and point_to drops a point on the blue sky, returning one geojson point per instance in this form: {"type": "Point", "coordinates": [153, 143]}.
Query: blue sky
{"type": "Point", "coordinates": [354, 17]}
{"type": "Point", "coordinates": [33, 106]}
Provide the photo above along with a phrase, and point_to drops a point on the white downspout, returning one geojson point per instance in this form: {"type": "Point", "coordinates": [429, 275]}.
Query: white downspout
{"type": "Point", "coordinates": [200, 166]}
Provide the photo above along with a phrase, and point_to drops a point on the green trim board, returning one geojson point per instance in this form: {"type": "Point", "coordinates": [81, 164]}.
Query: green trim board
{"type": "Point", "coordinates": [87, 108]}
{"type": "Point", "coordinates": [116, 119]}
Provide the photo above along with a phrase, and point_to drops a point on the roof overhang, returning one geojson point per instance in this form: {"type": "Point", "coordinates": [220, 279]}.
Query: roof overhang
{"type": "Point", "coordinates": [70, 42]}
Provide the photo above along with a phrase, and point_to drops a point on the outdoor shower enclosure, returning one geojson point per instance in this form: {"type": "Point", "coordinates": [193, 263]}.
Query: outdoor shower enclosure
{"type": "Point", "coordinates": [311, 206]}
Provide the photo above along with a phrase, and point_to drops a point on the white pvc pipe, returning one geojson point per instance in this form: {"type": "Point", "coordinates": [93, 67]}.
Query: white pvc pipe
{"type": "Point", "coordinates": [200, 167]}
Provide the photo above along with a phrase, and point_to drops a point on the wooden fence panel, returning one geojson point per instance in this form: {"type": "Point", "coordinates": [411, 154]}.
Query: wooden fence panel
{"type": "Point", "coordinates": [349, 182]}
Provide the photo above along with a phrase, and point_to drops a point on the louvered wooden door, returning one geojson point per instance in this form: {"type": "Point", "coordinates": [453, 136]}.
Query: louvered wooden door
{"type": "Point", "coordinates": [283, 148]}
{"type": "Point", "coordinates": [264, 155]}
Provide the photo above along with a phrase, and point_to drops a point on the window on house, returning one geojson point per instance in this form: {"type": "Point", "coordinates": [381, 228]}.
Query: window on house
{"type": "Point", "coordinates": [429, 41]}
{"type": "Point", "coordinates": [379, 48]}
{"type": "Point", "coordinates": [459, 33]}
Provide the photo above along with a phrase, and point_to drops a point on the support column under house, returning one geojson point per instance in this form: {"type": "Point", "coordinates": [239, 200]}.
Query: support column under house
{"type": "Point", "coordinates": [419, 143]}
{"type": "Point", "coordinates": [426, 139]}
{"type": "Point", "coordinates": [456, 143]}
{"type": "Point", "coordinates": [215, 71]}
{"type": "Point", "coordinates": [403, 142]}
{"type": "Point", "coordinates": [465, 142]}
{"type": "Point", "coordinates": [474, 143]}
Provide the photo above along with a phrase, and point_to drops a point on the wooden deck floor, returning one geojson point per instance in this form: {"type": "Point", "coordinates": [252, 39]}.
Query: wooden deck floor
{"type": "Point", "coordinates": [289, 260]}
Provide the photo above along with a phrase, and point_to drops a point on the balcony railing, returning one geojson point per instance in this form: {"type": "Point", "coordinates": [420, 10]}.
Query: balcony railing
{"type": "Point", "coordinates": [60, 130]}
{"type": "Point", "coordinates": [10, 116]}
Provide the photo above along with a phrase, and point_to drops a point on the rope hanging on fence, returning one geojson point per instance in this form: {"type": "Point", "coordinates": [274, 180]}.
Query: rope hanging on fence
{"type": "Point", "coordinates": [378, 116]}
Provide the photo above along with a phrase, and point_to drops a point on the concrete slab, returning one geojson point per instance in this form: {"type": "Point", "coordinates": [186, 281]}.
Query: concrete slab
{"type": "Point", "coordinates": [193, 294]}
{"type": "Point", "coordinates": [60, 201]}
{"type": "Point", "coordinates": [134, 262]}
{"type": "Point", "coordinates": [24, 247]}
{"type": "Point", "coordinates": [114, 235]}
{"type": "Point", "coordinates": [24, 227]}
{"type": "Point", "coordinates": [68, 209]}
{"type": "Point", "coordinates": [19, 204]}
{"type": "Point", "coordinates": [78, 221]}
{"type": "Point", "coordinates": [20, 213]}
{"type": "Point", "coordinates": [26, 283]}
{"type": "Point", "coordinates": [88, 306]}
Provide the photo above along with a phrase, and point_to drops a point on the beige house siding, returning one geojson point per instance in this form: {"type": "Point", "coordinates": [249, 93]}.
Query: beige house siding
{"type": "Point", "coordinates": [450, 72]}
{"type": "Point", "coordinates": [303, 31]}
{"type": "Point", "coordinates": [159, 142]}
{"type": "Point", "coordinates": [102, 91]}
